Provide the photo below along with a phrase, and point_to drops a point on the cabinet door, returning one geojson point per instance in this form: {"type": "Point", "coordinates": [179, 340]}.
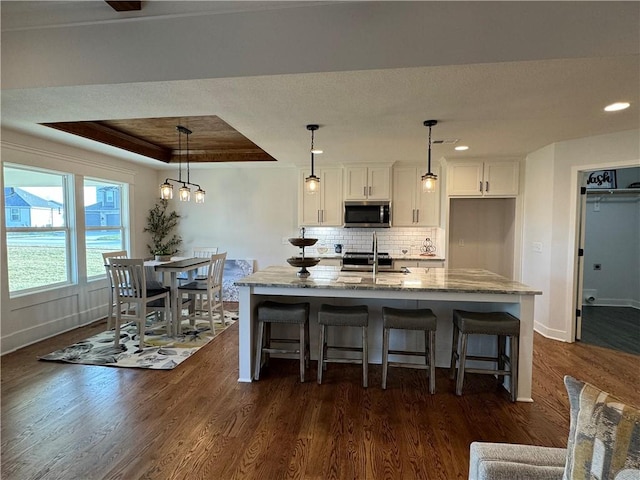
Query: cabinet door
{"type": "Point", "coordinates": [427, 204]}
{"type": "Point", "coordinates": [356, 186]}
{"type": "Point", "coordinates": [501, 178]}
{"type": "Point", "coordinates": [465, 179]}
{"type": "Point", "coordinates": [332, 204]}
{"type": "Point", "coordinates": [308, 204]}
{"type": "Point", "coordinates": [404, 193]}
{"type": "Point", "coordinates": [378, 183]}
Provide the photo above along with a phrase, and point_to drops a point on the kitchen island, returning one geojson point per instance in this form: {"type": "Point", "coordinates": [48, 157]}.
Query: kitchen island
{"type": "Point", "coordinates": [437, 288]}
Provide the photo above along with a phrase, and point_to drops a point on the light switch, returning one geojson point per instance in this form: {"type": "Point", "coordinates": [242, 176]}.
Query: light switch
{"type": "Point", "coordinates": [461, 242]}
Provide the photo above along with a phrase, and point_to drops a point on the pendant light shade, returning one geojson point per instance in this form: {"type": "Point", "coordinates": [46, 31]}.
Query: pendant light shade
{"type": "Point", "coordinates": [429, 179]}
{"type": "Point", "coordinates": [312, 183]}
{"type": "Point", "coordinates": [184, 193]}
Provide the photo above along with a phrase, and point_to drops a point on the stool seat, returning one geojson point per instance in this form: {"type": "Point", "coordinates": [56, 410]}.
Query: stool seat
{"type": "Point", "coordinates": [276, 312]}
{"type": "Point", "coordinates": [282, 313]}
{"type": "Point", "coordinates": [410, 319]}
{"type": "Point", "coordinates": [343, 316]}
{"type": "Point", "coordinates": [499, 324]}
{"type": "Point", "coordinates": [488, 323]}
{"type": "Point", "coordinates": [346, 316]}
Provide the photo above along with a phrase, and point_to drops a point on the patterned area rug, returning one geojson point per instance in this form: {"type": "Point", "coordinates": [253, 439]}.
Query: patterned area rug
{"type": "Point", "coordinates": [160, 352]}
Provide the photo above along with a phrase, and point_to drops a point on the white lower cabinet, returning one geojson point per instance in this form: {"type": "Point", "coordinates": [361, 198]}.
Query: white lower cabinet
{"type": "Point", "coordinates": [411, 206]}
{"type": "Point", "coordinates": [323, 208]}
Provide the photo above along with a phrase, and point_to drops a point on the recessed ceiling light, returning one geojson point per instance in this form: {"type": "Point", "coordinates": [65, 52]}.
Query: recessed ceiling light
{"type": "Point", "coordinates": [461, 147]}
{"type": "Point", "coordinates": [614, 107]}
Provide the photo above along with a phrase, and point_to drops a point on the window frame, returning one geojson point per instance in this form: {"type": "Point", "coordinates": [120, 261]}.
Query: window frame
{"type": "Point", "coordinates": [67, 184]}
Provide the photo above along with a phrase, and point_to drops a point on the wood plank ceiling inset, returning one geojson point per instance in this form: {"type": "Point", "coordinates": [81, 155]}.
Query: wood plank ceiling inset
{"type": "Point", "coordinates": [212, 140]}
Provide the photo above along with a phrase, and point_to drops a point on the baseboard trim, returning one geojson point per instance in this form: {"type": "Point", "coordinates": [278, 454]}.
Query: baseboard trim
{"type": "Point", "coordinates": [551, 333]}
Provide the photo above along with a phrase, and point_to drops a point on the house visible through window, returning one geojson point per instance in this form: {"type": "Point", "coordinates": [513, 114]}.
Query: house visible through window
{"type": "Point", "coordinates": [103, 222]}
{"type": "Point", "coordinates": [15, 214]}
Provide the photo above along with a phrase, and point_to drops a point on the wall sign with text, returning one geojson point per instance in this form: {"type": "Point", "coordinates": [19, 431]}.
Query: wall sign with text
{"type": "Point", "coordinates": [602, 179]}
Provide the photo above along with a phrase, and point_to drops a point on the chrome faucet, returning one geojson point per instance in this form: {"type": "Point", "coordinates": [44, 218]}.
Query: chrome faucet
{"type": "Point", "coordinates": [375, 254]}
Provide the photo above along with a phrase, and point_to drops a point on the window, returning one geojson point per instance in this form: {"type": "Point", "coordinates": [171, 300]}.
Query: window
{"type": "Point", "coordinates": [38, 252]}
{"type": "Point", "coordinates": [104, 226]}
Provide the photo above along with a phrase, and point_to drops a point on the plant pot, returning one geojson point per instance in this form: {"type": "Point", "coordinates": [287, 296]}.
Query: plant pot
{"type": "Point", "coordinates": [163, 258]}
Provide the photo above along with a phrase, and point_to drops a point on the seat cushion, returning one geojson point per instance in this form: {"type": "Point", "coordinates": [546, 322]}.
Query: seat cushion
{"type": "Point", "coordinates": [277, 312]}
{"type": "Point", "coordinates": [195, 285]}
{"type": "Point", "coordinates": [339, 315]}
{"type": "Point", "coordinates": [604, 435]}
{"type": "Point", "coordinates": [504, 461]}
{"type": "Point", "coordinates": [408, 319]}
{"type": "Point", "coordinates": [488, 323]}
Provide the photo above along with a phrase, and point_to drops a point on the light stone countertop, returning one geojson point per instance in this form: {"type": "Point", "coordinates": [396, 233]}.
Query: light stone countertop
{"type": "Point", "coordinates": [419, 279]}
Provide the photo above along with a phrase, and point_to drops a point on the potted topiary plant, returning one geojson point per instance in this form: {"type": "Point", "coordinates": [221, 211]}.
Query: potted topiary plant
{"type": "Point", "coordinates": [160, 224]}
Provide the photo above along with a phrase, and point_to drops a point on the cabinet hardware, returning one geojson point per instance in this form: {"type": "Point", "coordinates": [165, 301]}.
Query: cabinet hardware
{"type": "Point", "coordinates": [413, 216]}
{"type": "Point", "coordinates": [487, 187]}
{"type": "Point", "coordinates": [480, 186]}
{"type": "Point", "coordinates": [322, 216]}
{"type": "Point", "coordinates": [417, 215]}
{"type": "Point", "coordinates": [364, 191]}
{"type": "Point", "coordinates": [318, 216]}
{"type": "Point", "coordinates": [369, 191]}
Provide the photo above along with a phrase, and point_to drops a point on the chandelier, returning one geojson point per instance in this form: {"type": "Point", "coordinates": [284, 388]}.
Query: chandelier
{"type": "Point", "coordinates": [184, 193]}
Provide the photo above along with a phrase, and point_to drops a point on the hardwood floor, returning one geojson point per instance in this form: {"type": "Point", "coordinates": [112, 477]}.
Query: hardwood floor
{"type": "Point", "coordinates": [62, 421]}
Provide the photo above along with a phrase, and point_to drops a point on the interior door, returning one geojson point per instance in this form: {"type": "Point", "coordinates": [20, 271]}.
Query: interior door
{"type": "Point", "coordinates": [582, 217]}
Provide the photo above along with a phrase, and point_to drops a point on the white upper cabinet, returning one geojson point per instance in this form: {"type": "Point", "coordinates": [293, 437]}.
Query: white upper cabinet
{"type": "Point", "coordinates": [411, 206]}
{"type": "Point", "coordinates": [323, 208]}
{"type": "Point", "coordinates": [476, 178]}
{"type": "Point", "coordinates": [367, 182]}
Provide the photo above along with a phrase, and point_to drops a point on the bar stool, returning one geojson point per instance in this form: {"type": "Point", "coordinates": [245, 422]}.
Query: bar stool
{"type": "Point", "coordinates": [275, 312]}
{"type": "Point", "coordinates": [501, 324]}
{"type": "Point", "coordinates": [413, 319]}
{"type": "Point", "coordinates": [343, 316]}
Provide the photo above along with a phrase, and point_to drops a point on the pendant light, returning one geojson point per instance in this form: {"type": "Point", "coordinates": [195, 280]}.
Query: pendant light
{"type": "Point", "coordinates": [184, 193]}
{"type": "Point", "coordinates": [312, 183]}
{"type": "Point", "coordinates": [429, 179]}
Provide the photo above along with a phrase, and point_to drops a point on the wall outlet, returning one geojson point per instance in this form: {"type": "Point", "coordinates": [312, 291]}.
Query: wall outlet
{"type": "Point", "coordinates": [461, 242]}
{"type": "Point", "coordinates": [536, 247]}
{"type": "Point", "coordinates": [597, 266]}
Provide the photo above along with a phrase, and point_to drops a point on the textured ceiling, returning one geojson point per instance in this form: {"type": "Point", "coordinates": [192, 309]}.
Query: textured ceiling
{"type": "Point", "coordinates": [504, 78]}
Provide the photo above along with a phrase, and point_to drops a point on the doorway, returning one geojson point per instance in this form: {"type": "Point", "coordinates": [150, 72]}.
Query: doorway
{"type": "Point", "coordinates": [608, 283]}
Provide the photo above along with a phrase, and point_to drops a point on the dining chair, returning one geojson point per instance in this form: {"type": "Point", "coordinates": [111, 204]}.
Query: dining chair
{"type": "Point", "coordinates": [112, 301]}
{"type": "Point", "coordinates": [206, 294]}
{"type": "Point", "coordinates": [130, 286]}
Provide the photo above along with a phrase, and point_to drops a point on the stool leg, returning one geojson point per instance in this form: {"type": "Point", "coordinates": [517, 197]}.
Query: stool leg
{"type": "Point", "coordinates": [432, 362]}
{"type": "Point", "coordinates": [454, 352]}
{"type": "Point", "coordinates": [307, 344]}
{"type": "Point", "coordinates": [321, 353]}
{"type": "Point", "coordinates": [303, 344]}
{"type": "Point", "coordinates": [365, 357]}
{"type": "Point", "coordinates": [267, 342]}
{"type": "Point", "coordinates": [502, 342]}
{"type": "Point", "coordinates": [256, 374]}
{"type": "Point", "coordinates": [513, 362]}
{"type": "Point", "coordinates": [462, 359]}
{"type": "Point", "coordinates": [385, 356]}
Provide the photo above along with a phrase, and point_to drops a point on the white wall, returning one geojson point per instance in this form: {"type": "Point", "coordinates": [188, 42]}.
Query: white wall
{"type": "Point", "coordinates": [29, 318]}
{"type": "Point", "coordinates": [612, 240]}
{"type": "Point", "coordinates": [550, 206]}
{"type": "Point", "coordinates": [247, 211]}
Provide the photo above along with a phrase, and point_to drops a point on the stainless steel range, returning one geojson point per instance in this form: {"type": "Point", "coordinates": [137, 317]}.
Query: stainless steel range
{"type": "Point", "coordinates": [363, 262]}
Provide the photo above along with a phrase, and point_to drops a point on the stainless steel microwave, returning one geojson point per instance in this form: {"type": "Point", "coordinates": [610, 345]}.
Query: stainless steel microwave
{"type": "Point", "coordinates": [367, 214]}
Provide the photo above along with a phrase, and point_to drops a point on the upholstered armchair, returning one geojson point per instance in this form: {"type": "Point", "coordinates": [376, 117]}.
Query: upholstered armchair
{"type": "Point", "coordinates": [604, 443]}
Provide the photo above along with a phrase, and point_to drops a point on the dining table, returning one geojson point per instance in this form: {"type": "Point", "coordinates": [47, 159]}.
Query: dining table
{"type": "Point", "coordinates": [169, 270]}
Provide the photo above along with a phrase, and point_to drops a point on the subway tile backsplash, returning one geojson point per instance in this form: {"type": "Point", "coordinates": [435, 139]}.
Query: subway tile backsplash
{"type": "Point", "coordinates": [392, 240]}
